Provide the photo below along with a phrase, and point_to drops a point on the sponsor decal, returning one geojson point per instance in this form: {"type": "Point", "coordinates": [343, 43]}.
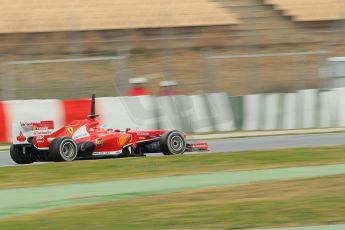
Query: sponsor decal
{"type": "Point", "coordinates": [105, 153]}
{"type": "Point", "coordinates": [69, 130]}
{"type": "Point", "coordinates": [25, 124]}
{"type": "Point", "coordinates": [41, 125]}
{"type": "Point", "coordinates": [122, 140]}
{"type": "Point", "coordinates": [48, 124]}
{"type": "Point", "coordinates": [40, 139]}
{"type": "Point", "coordinates": [21, 137]}
{"type": "Point", "coordinates": [99, 141]}
{"type": "Point", "coordinates": [143, 134]}
{"type": "Point", "coordinates": [42, 132]}
{"type": "Point", "coordinates": [80, 133]}
{"type": "Point", "coordinates": [36, 127]}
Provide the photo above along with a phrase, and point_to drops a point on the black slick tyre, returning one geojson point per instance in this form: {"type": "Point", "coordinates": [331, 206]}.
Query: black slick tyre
{"type": "Point", "coordinates": [63, 149]}
{"type": "Point", "coordinates": [18, 156]}
{"type": "Point", "coordinates": [172, 143]}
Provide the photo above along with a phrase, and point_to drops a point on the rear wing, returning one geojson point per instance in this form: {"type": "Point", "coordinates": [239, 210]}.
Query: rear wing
{"type": "Point", "coordinates": [21, 131]}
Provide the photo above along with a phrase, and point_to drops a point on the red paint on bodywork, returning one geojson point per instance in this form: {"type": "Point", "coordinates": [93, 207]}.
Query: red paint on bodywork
{"type": "Point", "coordinates": [104, 140]}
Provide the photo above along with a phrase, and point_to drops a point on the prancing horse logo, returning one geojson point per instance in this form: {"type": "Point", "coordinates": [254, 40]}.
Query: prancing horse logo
{"type": "Point", "coordinates": [70, 130]}
{"type": "Point", "coordinates": [122, 140]}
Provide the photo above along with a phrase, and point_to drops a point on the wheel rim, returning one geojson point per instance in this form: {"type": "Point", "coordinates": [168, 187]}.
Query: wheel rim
{"type": "Point", "coordinates": [177, 143]}
{"type": "Point", "coordinates": [68, 150]}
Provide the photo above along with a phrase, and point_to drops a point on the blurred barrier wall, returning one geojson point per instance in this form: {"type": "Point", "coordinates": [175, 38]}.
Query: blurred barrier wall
{"type": "Point", "coordinates": [193, 114]}
{"type": "Point", "coordinates": [127, 112]}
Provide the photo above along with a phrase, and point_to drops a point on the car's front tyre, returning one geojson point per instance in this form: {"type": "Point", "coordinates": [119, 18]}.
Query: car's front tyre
{"type": "Point", "coordinates": [63, 149]}
{"type": "Point", "coordinates": [172, 143]}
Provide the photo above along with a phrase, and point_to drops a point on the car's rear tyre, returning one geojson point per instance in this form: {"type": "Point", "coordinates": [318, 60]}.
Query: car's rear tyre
{"type": "Point", "coordinates": [18, 156]}
{"type": "Point", "coordinates": [172, 143]}
{"type": "Point", "coordinates": [63, 149]}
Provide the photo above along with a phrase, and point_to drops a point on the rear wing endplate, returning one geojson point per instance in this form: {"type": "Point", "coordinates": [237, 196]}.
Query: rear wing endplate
{"type": "Point", "coordinates": [21, 131]}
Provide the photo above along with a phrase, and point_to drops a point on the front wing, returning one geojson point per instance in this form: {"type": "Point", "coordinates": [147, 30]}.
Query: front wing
{"type": "Point", "coordinates": [197, 147]}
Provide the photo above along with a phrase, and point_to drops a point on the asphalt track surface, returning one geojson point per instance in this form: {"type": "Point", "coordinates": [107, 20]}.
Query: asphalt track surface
{"type": "Point", "coordinates": [249, 144]}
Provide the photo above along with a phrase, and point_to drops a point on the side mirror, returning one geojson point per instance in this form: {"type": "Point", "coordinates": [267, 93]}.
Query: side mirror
{"type": "Point", "coordinates": [127, 129]}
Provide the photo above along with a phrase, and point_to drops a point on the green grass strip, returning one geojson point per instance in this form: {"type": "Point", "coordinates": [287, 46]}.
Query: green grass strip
{"type": "Point", "coordinates": [323, 227]}
{"type": "Point", "coordinates": [25, 200]}
{"type": "Point", "coordinates": [138, 168]}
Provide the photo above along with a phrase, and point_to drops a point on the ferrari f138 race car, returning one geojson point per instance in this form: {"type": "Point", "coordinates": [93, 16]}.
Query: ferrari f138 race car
{"type": "Point", "coordinates": [85, 139]}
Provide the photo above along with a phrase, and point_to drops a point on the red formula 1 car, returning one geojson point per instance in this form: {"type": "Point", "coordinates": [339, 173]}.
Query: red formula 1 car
{"type": "Point", "coordinates": [84, 139]}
